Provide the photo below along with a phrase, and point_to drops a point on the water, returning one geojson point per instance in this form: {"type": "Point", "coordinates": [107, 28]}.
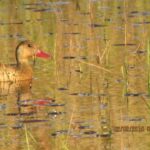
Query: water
{"type": "Point", "coordinates": [93, 93]}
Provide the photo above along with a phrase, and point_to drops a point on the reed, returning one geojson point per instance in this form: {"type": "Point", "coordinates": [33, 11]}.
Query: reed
{"type": "Point", "coordinates": [94, 65]}
{"type": "Point", "coordinates": [125, 22]}
{"type": "Point", "coordinates": [148, 65]}
{"type": "Point", "coordinates": [125, 78]}
{"type": "Point", "coordinates": [27, 138]}
{"type": "Point", "coordinates": [32, 137]}
{"type": "Point", "coordinates": [70, 122]}
{"type": "Point", "coordinates": [63, 145]}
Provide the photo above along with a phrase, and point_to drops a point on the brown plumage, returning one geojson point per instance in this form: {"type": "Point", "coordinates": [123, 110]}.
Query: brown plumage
{"type": "Point", "coordinates": [22, 70]}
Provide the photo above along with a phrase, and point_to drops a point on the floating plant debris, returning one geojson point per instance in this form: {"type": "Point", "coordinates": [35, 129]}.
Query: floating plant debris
{"type": "Point", "coordinates": [9, 23]}
{"type": "Point", "coordinates": [133, 94]}
{"type": "Point", "coordinates": [18, 126]}
{"type": "Point", "coordinates": [123, 44]}
{"type": "Point", "coordinates": [105, 134]}
{"type": "Point", "coordinates": [79, 71]}
{"type": "Point", "coordinates": [144, 22]}
{"type": "Point", "coordinates": [140, 52]}
{"type": "Point", "coordinates": [3, 125]}
{"type": "Point", "coordinates": [2, 107]}
{"type": "Point", "coordinates": [62, 89]}
{"type": "Point", "coordinates": [103, 106]}
{"type": "Point", "coordinates": [97, 25]}
{"type": "Point", "coordinates": [87, 94]}
{"type": "Point", "coordinates": [33, 121]}
{"type": "Point", "coordinates": [134, 119]}
{"type": "Point", "coordinates": [47, 3]}
{"type": "Point", "coordinates": [74, 94]}
{"type": "Point", "coordinates": [73, 57]}
{"type": "Point", "coordinates": [143, 13]}
{"type": "Point", "coordinates": [59, 132]}
{"type": "Point", "coordinates": [134, 12]}
{"type": "Point", "coordinates": [60, 2]}
{"type": "Point", "coordinates": [55, 105]}
{"type": "Point", "coordinates": [64, 20]}
{"type": "Point", "coordinates": [84, 127]}
{"type": "Point", "coordinates": [131, 67]}
{"type": "Point", "coordinates": [50, 33]}
{"type": "Point", "coordinates": [25, 105]}
{"type": "Point", "coordinates": [20, 114]}
{"type": "Point", "coordinates": [54, 134]}
{"type": "Point", "coordinates": [69, 57]}
{"type": "Point", "coordinates": [55, 113]}
{"type": "Point", "coordinates": [33, 4]}
{"type": "Point", "coordinates": [104, 121]}
{"type": "Point", "coordinates": [107, 19]}
{"type": "Point", "coordinates": [83, 57]}
{"type": "Point", "coordinates": [30, 8]}
{"type": "Point", "coordinates": [118, 80]}
{"type": "Point", "coordinates": [89, 132]}
{"type": "Point", "coordinates": [43, 10]}
{"type": "Point", "coordinates": [85, 13]}
{"type": "Point", "coordinates": [40, 19]}
{"type": "Point", "coordinates": [73, 33]}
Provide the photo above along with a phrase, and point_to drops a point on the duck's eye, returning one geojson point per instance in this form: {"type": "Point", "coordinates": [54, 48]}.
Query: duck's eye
{"type": "Point", "coordinates": [29, 45]}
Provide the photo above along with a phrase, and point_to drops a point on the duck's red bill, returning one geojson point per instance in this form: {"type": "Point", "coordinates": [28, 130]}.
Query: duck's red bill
{"type": "Point", "coordinates": [42, 54]}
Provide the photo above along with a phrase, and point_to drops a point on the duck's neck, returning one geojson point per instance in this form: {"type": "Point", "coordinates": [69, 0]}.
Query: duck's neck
{"type": "Point", "coordinates": [25, 68]}
{"type": "Point", "coordinates": [23, 62]}
{"type": "Point", "coordinates": [20, 58]}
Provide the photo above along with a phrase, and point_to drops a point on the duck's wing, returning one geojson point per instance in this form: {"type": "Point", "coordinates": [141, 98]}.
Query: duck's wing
{"type": "Point", "coordinates": [8, 72]}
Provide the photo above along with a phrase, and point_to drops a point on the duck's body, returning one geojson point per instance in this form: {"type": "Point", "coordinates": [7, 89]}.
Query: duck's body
{"type": "Point", "coordinates": [22, 70]}
{"type": "Point", "coordinates": [15, 73]}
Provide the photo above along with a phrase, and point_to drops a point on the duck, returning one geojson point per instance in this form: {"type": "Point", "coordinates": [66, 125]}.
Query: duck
{"type": "Point", "coordinates": [22, 70]}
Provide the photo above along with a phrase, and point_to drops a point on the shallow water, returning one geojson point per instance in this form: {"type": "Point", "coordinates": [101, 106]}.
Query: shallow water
{"type": "Point", "coordinates": [93, 94]}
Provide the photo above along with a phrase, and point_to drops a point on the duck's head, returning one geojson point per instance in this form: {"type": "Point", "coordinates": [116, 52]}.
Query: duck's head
{"type": "Point", "coordinates": [26, 50]}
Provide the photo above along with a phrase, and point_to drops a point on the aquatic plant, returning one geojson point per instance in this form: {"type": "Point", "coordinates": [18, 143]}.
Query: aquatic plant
{"type": "Point", "coordinates": [148, 65]}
